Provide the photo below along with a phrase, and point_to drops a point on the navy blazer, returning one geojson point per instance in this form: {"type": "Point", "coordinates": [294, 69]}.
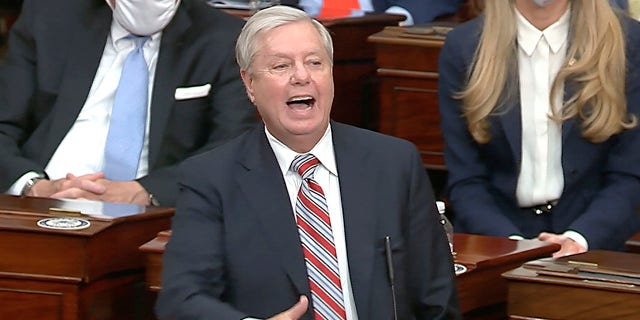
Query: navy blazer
{"type": "Point", "coordinates": [601, 193]}
{"type": "Point", "coordinates": [55, 48]}
{"type": "Point", "coordinates": [235, 251]}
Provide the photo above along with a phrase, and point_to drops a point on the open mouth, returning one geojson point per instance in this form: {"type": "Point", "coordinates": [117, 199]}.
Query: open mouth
{"type": "Point", "coordinates": [301, 102]}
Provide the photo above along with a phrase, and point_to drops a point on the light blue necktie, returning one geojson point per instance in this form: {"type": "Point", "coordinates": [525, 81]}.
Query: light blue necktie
{"type": "Point", "coordinates": [128, 117]}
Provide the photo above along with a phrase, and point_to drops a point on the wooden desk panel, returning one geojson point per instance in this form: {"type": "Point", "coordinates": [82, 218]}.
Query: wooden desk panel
{"type": "Point", "coordinates": [482, 290]}
{"type": "Point", "coordinates": [633, 244]}
{"type": "Point", "coordinates": [93, 273]}
{"type": "Point", "coordinates": [557, 296]}
{"type": "Point", "coordinates": [408, 89]}
{"type": "Point", "coordinates": [354, 65]}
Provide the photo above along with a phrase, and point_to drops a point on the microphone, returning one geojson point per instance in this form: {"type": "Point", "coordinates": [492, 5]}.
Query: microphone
{"type": "Point", "coordinates": [387, 247]}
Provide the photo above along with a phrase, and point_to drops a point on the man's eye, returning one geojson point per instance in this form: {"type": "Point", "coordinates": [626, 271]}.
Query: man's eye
{"type": "Point", "coordinates": [280, 67]}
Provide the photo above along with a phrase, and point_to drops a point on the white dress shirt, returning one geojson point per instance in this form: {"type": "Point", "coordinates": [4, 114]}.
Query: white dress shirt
{"type": "Point", "coordinates": [326, 175]}
{"type": "Point", "coordinates": [541, 54]}
{"type": "Point", "coordinates": [82, 149]}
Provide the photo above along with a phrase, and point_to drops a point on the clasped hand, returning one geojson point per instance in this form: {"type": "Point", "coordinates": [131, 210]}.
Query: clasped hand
{"type": "Point", "coordinates": [91, 186]}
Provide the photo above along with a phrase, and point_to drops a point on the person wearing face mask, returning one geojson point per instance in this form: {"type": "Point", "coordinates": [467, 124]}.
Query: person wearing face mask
{"type": "Point", "coordinates": [539, 103]}
{"type": "Point", "coordinates": [61, 132]}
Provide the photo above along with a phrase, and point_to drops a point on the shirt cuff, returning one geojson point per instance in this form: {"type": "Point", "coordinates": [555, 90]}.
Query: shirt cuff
{"type": "Point", "coordinates": [577, 237]}
{"type": "Point", "coordinates": [16, 187]}
{"type": "Point", "coordinates": [516, 237]}
{"type": "Point", "coordinates": [402, 11]}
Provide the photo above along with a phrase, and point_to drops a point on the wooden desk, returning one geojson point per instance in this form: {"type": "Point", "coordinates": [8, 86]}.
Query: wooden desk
{"type": "Point", "coordinates": [93, 273]}
{"type": "Point", "coordinates": [153, 259]}
{"type": "Point", "coordinates": [354, 68]}
{"type": "Point", "coordinates": [577, 290]}
{"type": "Point", "coordinates": [407, 61]}
{"type": "Point", "coordinates": [633, 244]}
{"type": "Point", "coordinates": [480, 288]}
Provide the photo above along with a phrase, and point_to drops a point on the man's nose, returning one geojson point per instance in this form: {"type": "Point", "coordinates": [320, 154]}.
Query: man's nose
{"type": "Point", "coordinates": [300, 74]}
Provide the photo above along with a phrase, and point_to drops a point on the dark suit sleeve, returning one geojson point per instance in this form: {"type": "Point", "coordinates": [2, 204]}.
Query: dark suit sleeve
{"type": "Point", "coordinates": [468, 188]}
{"type": "Point", "coordinates": [430, 269]}
{"type": "Point", "coordinates": [193, 275]}
{"type": "Point", "coordinates": [17, 88]}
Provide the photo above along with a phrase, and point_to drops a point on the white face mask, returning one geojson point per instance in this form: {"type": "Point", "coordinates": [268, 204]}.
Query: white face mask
{"type": "Point", "coordinates": [144, 17]}
{"type": "Point", "coordinates": [541, 3]}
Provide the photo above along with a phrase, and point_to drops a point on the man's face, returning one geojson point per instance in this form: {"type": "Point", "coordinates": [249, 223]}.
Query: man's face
{"type": "Point", "coordinates": [290, 81]}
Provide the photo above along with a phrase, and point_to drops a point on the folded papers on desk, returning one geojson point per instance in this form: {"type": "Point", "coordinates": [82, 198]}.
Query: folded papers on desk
{"type": "Point", "coordinates": [605, 267]}
{"type": "Point", "coordinates": [592, 285]}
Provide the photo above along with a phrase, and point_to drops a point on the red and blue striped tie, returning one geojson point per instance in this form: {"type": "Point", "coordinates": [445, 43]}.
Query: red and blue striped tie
{"type": "Point", "coordinates": [314, 226]}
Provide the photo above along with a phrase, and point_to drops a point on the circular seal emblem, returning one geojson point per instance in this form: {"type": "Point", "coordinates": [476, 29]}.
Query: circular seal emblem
{"type": "Point", "coordinates": [459, 268]}
{"type": "Point", "coordinates": [64, 223]}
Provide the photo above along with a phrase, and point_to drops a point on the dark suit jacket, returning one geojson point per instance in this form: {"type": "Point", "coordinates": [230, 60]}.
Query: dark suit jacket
{"type": "Point", "coordinates": [601, 180]}
{"type": "Point", "coordinates": [622, 4]}
{"type": "Point", "coordinates": [55, 48]}
{"type": "Point", "coordinates": [235, 251]}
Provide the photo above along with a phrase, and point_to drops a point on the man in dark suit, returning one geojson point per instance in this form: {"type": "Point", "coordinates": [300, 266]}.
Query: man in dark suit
{"type": "Point", "coordinates": [58, 82]}
{"type": "Point", "coordinates": [417, 11]}
{"type": "Point", "coordinates": [245, 235]}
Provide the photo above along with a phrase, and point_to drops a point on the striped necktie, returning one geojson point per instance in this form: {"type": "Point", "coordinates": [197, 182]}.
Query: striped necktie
{"type": "Point", "coordinates": [314, 227]}
{"type": "Point", "coordinates": [128, 117]}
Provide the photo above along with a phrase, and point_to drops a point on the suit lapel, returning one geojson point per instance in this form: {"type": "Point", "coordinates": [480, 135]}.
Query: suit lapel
{"type": "Point", "coordinates": [86, 50]}
{"type": "Point", "coordinates": [567, 125]}
{"type": "Point", "coordinates": [357, 191]}
{"type": "Point", "coordinates": [166, 79]}
{"type": "Point", "coordinates": [266, 193]}
{"type": "Point", "coordinates": [511, 122]}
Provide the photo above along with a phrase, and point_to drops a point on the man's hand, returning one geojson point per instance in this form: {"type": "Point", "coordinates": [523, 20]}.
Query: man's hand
{"type": "Point", "coordinates": [70, 186]}
{"type": "Point", "coordinates": [111, 191]}
{"type": "Point", "coordinates": [567, 245]}
{"type": "Point", "coordinates": [91, 187]}
{"type": "Point", "coordinates": [124, 192]}
{"type": "Point", "coordinates": [295, 312]}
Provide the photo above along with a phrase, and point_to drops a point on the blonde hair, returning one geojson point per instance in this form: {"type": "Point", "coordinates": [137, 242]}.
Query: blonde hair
{"type": "Point", "coordinates": [595, 68]}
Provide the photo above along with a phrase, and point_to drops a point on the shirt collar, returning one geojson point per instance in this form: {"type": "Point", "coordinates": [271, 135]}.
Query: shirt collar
{"type": "Point", "coordinates": [323, 150]}
{"type": "Point", "coordinates": [118, 33]}
{"type": "Point", "coordinates": [555, 34]}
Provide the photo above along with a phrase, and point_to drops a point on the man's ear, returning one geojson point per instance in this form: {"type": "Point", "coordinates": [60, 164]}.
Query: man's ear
{"type": "Point", "coordinates": [248, 84]}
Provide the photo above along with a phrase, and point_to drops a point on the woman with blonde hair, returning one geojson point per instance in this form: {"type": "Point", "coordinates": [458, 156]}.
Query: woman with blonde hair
{"type": "Point", "coordinates": [539, 102]}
